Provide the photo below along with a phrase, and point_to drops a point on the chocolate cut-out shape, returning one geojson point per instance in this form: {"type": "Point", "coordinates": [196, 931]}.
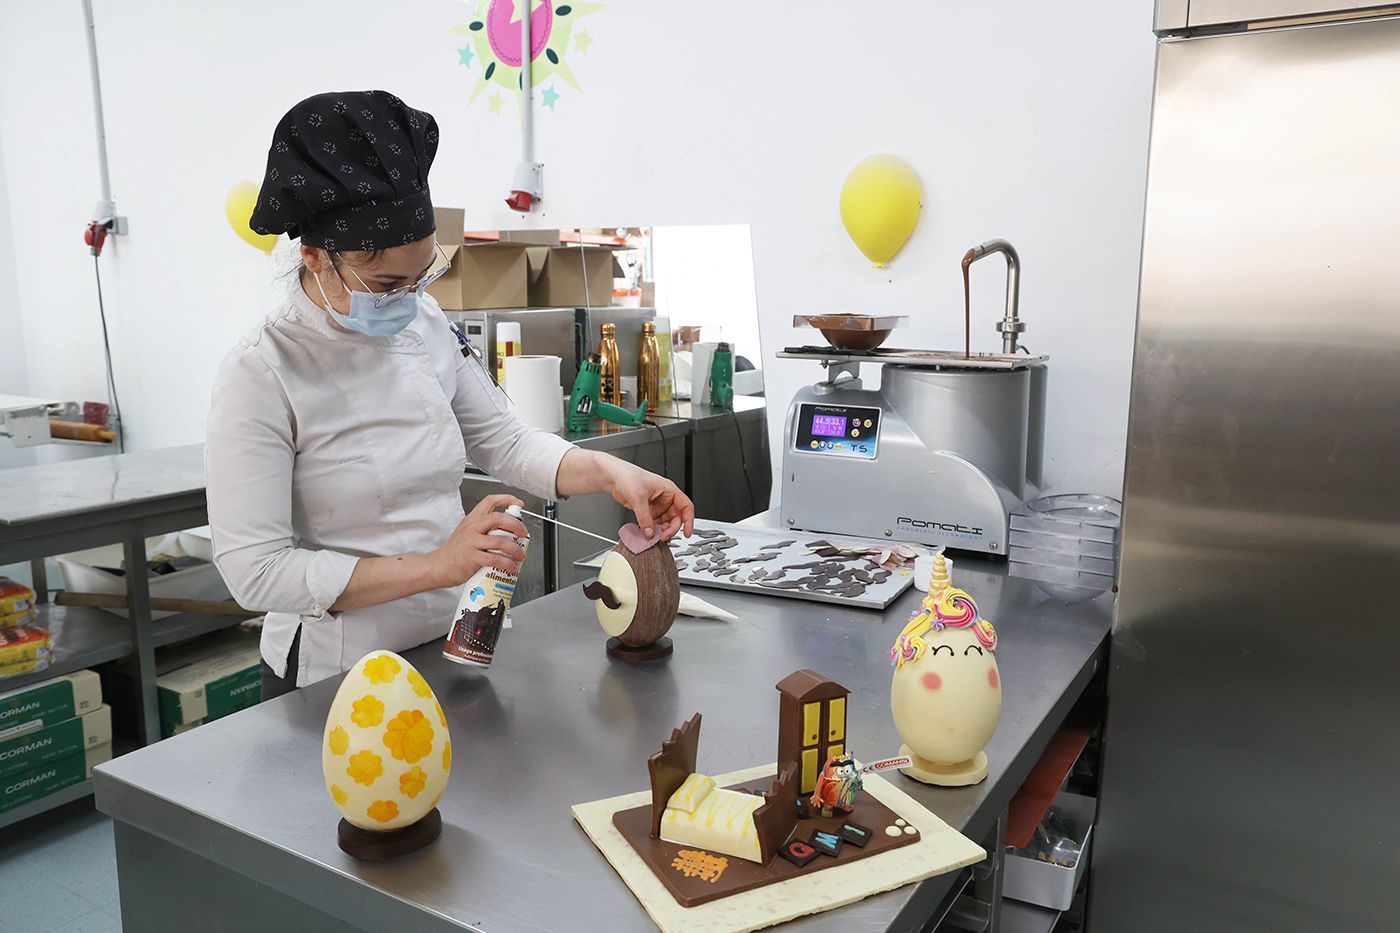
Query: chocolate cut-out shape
{"type": "Point", "coordinates": [856, 834]}
{"type": "Point", "coordinates": [826, 843]}
{"type": "Point", "coordinates": [798, 853]}
{"type": "Point", "coordinates": [671, 766]}
{"type": "Point", "coordinates": [635, 539]}
{"type": "Point", "coordinates": [596, 590]}
{"type": "Point", "coordinates": [775, 820]}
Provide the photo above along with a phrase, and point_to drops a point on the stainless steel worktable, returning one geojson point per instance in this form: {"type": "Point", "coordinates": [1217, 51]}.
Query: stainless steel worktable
{"type": "Point", "coordinates": [229, 826]}
{"type": "Point", "coordinates": [124, 498]}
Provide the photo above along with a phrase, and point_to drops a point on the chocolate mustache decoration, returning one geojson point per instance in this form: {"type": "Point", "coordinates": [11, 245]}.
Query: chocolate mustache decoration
{"type": "Point", "coordinates": [601, 591]}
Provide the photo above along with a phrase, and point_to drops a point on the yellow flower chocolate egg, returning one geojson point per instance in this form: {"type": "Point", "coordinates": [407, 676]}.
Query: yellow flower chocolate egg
{"type": "Point", "coordinates": [386, 753]}
{"type": "Point", "coordinates": [946, 690]}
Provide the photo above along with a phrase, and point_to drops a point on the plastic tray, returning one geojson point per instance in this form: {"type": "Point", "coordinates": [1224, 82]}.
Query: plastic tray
{"type": "Point", "coordinates": [1062, 575]}
{"type": "Point", "coordinates": [1074, 515]}
{"type": "Point", "coordinates": [1067, 559]}
{"type": "Point", "coordinates": [82, 573]}
{"type": "Point", "coordinates": [1087, 547]}
{"type": "Point", "coordinates": [1035, 882]}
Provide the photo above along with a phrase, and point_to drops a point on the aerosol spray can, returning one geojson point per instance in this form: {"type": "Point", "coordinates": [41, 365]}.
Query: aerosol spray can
{"type": "Point", "coordinates": [481, 612]}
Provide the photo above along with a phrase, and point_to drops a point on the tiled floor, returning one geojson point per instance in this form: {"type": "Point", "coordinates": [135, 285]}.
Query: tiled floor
{"type": "Point", "coordinates": [64, 863]}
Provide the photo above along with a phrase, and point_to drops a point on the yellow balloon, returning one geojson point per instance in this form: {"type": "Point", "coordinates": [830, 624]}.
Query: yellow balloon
{"type": "Point", "coordinates": [239, 207]}
{"type": "Point", "coordinates": [880, 204]}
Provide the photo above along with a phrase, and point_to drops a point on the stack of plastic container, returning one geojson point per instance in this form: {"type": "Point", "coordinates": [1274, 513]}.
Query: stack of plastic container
{"type": "Point", "coordinates": [1067, 540]}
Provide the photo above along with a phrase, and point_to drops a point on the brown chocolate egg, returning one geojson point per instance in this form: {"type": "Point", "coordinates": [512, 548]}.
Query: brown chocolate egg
{"type": "Point", "coordinates": [636, 595]}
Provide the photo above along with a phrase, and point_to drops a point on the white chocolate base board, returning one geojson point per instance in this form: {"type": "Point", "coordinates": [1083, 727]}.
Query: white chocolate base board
{"type": "Point", "coordinates": [958, 775]}
{"type": "Point", "coordinates": [941, 849]}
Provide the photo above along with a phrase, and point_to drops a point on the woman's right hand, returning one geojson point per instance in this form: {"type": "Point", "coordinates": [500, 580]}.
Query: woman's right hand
{"type": "Point", "coordinates": [472, 546]}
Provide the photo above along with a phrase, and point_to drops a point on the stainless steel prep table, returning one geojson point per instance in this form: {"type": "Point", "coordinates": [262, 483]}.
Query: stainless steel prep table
{"type": "Point", "coordinates": [124, 498]}
{"type": "Point", "coordinates": [229, 826]}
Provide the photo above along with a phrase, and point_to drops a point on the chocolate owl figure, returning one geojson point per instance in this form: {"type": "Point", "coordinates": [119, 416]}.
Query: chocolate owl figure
{"type": "Point", "coordinates": [837, 786]}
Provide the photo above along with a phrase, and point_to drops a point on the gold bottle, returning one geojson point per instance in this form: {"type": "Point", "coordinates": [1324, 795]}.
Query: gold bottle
{"type": "Point", "coordinates": [607, 357]}
{"type": "Point", "coordinates": [649, 368]}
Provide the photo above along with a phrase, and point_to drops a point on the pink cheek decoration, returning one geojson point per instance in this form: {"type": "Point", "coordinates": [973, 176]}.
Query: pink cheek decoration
{"type": "Point", "coordinates": [931, 681]}
{"type": "Point", "coordinates": [993, 680]}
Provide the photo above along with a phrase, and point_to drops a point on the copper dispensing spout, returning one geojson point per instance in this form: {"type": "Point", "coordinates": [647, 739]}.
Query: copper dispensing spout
{"type": "Point", "coordinates": [1011, 326]}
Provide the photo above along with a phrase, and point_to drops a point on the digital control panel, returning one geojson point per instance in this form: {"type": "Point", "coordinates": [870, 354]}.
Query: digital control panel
{"type": "Point", "coordinates": [837, 430]}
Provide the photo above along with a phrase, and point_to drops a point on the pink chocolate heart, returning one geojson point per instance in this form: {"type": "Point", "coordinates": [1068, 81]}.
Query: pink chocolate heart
{"type": "Point", "coordinates": [633, 539]}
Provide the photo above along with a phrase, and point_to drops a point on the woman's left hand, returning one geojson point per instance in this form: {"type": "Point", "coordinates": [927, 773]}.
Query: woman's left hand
{"type": "Point", "coordinates": [658, 503]}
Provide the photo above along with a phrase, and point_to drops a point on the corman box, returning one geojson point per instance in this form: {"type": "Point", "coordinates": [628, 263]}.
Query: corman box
{"type": "Point", "coordinates": [29, 785]}
{"type": "Point", "coordinates": [202, 679]}
{"type": "Point", "coordinates": [50, 701]}
{"type": "Point", "coordinates": [37, 746]}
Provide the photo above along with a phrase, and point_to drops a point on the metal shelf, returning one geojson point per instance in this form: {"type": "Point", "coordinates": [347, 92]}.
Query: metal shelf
{"type": "Point", "coordinates": [188, 625]}
{"type": "Point", "coordinates": [85, 637]}
{"type": "Point", "coordinates": [82, 637]}
{"type": "Point", "coordinates": [1020, 917]}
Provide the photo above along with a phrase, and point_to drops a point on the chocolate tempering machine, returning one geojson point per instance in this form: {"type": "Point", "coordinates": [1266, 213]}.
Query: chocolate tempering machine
{"type": "Point", "coordinates": [937, 455]}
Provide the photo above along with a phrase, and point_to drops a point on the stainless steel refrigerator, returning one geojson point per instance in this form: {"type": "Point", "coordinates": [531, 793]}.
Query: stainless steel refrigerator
{"type": "Point", "coordinates": [1251, 776]}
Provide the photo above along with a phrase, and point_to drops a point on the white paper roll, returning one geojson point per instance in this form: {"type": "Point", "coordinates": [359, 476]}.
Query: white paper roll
{"type": "Point", "coordinates": [533, 384]}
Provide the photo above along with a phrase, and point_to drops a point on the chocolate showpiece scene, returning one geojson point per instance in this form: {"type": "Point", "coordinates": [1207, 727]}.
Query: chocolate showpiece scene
{"type": "Point", "coordinates": [808, 567]}
{"type": "Point", "coordinates": [704, 841]}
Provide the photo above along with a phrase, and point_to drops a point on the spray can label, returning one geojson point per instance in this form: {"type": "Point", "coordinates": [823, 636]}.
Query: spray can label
{"type": "Point", "coordinates": [481, 613]}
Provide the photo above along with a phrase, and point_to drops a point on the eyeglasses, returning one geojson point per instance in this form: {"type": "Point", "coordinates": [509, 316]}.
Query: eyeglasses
{"type": "Point", "coordinates": [435, 272]}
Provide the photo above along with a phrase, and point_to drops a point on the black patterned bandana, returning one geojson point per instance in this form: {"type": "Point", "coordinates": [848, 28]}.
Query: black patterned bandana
{"type": "Point", "coordinates": [348, 170]}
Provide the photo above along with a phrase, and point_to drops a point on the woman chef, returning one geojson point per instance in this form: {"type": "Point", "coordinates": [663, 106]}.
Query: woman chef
{"type": "Point", "coordinates": [341, 426]}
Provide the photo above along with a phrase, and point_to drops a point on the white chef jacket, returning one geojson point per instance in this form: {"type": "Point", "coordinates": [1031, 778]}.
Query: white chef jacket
{"type": "Point", "coordinates": [326, 445]}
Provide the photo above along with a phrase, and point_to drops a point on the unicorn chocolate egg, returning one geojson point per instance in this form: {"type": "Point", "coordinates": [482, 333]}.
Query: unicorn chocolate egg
{"type": "Point", "coordinates": [386, 752]}
{"type": "Point", "coordinates": [946, 691]}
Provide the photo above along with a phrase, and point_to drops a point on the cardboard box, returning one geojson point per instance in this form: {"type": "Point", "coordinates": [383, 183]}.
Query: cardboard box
{"type": "Point", "coordinates": [222, 681]}
{"type": "Point", "coordinates": [487, 275]}
{"type": "Point", "coordinates": [213, 676]}
{"type": "Point", "coordinates": [451, 225]}
{"type": "Point", "coordinates": [484, 275]}
{"type": "Point", "coordinates": [50, 701]}
{"type": "Point", "coordinates": [168, 729]}
{"type": "Point", "coordinates": [531, 237]}
{"type": "Point", "coordinates": [26, 786]}
{"type": "Point", "coordinates": [38, 745]}
{"type": "Point", "coordinates": [565, 270]}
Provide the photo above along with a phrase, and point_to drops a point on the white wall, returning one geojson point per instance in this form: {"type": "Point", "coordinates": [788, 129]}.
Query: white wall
{"type": "Point", "coordinates": [704, 278]}
{"type": "Point", "coordinates": [1024, 120]}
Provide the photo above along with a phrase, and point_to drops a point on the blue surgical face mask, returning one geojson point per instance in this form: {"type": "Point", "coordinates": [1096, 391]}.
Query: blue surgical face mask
{"type": "Point", "coordinates": [391, 316]}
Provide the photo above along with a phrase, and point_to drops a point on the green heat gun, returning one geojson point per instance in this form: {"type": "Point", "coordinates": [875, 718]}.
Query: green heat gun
{"type": "Point", "coordinates": [584, 405]}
